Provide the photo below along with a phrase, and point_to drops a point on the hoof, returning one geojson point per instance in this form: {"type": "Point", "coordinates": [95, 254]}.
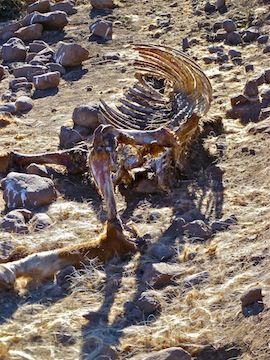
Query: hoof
{"type": "Point", "coordinates": [7, 277]}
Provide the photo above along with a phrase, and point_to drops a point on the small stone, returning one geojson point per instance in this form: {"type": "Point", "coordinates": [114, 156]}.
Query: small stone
{"type": "Point", "coordinates": [42, 6]}
{"type": "Point", "coordinates": [102, 28]}
{"type": "Point", "coordinates": [69, 137]}
{"type": "Point", "coordinates": [249, 67]}
{"type": "Point", "coordinates": [102, 4]}
{"type": "Point", "coordinates": [107, 352]}
{"type": "Point", "coordinates": [14, 50]}
{"type": "Point", "coordinates": [66, 6]}
{"type": "Point", "coordinates": [266, 50]}
{"type": "Point", "coordinates": [229, 25]}
{"type": "Point", "coordinates": [40, 221]}
{"type": "Point", "coordinates": [234, 53]}
{"type": "Point", "coordinates": [24, 103]}
{"type": "Point", "coordinates": [214, 49]}
{"type": "Point", "coordinates": [237, 61]}
{"type": "Point", "coordinates": [263, 39]}
{"type": "Point", "coordinates": [56, 67]}
{"type": "Point", "coordinates": [251, 296]}
{"type": "Point", "coordinates": [250, 35]}
{"type": "Point", "coordinates": [221, 58]}
{"type": "Point", "coordinates": [46, 81]}
{"type": "Point", "coordinates": [220, 4]}
{"type": "Point", "coordinates": [209, 8]}
{"type": "Point", "coordinates": [251, 88]}
{"type": "Point", "coordinates": [173, 353]}
{"type": "Point", "coordinates": [86, 116]}
{"type": "Point", "coordinates": [29, 71]}
{"type": "Point", "coordinates": [37, 169]}
{"type": "Point", "coordinates": [148, 302]}
{"type": "Point", "coordinates": [209, 59]}
{"type": "Point", "coordinates": [162, 252]}
{"type": "Point", "coordinates": [14, 222]}
{"type": "Point", "coordinates": [267, 76]}
{"type": "Point", "coordinates": [70, 55]}
{"type": "Point", "coordinates": [265, 94]}
{"type": "Point", "coordinates": [221, 35]}
{"type": "Point", "coordinates": [8, 107]}
{"type": "Point", "coordinates": [30, 32]}
{"type": "Point", "coordinates": [195, 279]}
{"type": "Point", "coordinates": [37, 45]}
{"type": "Point", "coordinates": [260, 79]}
{"type": "Point", "coordinates": [185, 44]}
{"type": "Point", "coordinates": [198, 229]}
{"type": "Point", "coordinates": [161, 274]}
{"type": "Point", "coordinates": [234, 38]}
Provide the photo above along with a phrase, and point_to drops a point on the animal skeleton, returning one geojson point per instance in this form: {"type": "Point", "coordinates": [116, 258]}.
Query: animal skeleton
{"type": "Point", "coordinates": [159, 117]}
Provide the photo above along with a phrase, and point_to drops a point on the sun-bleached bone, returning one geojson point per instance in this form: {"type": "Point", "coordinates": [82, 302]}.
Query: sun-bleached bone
{"type": "Point", "coordinates": [158, 119]}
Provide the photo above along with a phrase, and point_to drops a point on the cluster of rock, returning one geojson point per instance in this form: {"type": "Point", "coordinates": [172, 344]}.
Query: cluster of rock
{"type": "Point", "coordinates": [30, 62]}
{"type": "Point", "coordinates": [252, 104]}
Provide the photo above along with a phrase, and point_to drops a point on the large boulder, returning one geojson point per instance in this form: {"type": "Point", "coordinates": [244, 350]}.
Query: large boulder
{"type": "Point", "coordinates": [70, 54]}
{"type": "Point", "coordinates": [27, 191]}
{"type": "Point", "coordinates": [14, 50]}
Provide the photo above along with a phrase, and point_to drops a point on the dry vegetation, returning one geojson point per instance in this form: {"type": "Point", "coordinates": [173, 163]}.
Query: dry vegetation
{"type": "Point", "coordinates": [36, 323]}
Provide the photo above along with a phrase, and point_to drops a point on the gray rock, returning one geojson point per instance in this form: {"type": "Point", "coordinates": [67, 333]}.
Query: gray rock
{"type": "Point", "coordinates": [251, 296]}
{"type": "Point", "coordinates": [250, 35]}
{"type": "Point", "coordinates": [148, 302]}
{"type": "Point", "coordinates": [214, 49]}
{"type": "Point", "coordinates": [234, 53]}
{"type": "Point", "coordinates": [37, 169]}
{"type": "Point", "coordinates": [56, 67]}
{"type": "Point", "coordinates": [266, 50]}
{"type": "Point", "coordinates": [102, 4]}
{"type": "Point", "coordinates": [229, 25]}
{"type": "Point", "coordinates": [40, 221]}
{"type": "Point", "coordinates": [234, 38]}
{"type": "Point", "coordinates": [8, 108]}
{"type": "Point", "coordinates": [87, 116]}
{"type": "Point", "coordinates": [198, 229]}
{"type": "Point", "coordinates": [173, 353]}
{"type": "Point", "coordinates": [2, 71]}
{"type": "Point", "coordinates": [220, 4]}
{"type": "Point", "coordinates": [209, 8]}
{"type": "Point", "coordinates": [162, 252]}
{"type": "Point", "coordinates": [69, 137]}
{"type": "Point", "coordinates": [195, 279]}
{"type": "Point", "coordinates": [263, 39]}
{"type": "Point", "coordinates": [249, 67]}
{"type": "Point", "coordinates": [14, 222]}
{"type": "Point", "coordinates": [265, 94]}
{"type": "Point", "coordinates": [54, 20]}
{"type": "Point", "coordinates": [24, 103]}
{"type": "Point", "coordinates": [251, 88]}
{"type": "Point", "coordinates": [267, 76]}
{"type": "Point", "coordinates": [28, 191]}
{"type": "Point", "coordinates": [161, 274]}
{"type": "Point", "coordinates": [37, 46]}
{"type": "Point", "coordinates": [20, 83]}
{"type": "Point", "coordinates": [221, 35]}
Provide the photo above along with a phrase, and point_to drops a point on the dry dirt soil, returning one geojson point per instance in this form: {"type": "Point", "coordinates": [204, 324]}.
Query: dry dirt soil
{"type": "Point", "coordinates": [207, 320]}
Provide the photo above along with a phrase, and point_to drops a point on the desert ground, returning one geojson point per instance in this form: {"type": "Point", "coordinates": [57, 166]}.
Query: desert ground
{"type": "Point", "coordinates": [228, 177]}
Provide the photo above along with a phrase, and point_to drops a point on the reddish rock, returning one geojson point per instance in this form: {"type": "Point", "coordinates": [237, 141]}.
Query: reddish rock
{"type": "Point", "coordinates": [24, 103]}
{"type": "Point", "coordinates": [102, 4]}
{"type": "Point", "coordinates": [55, 20]}
{"type": "Point", "coordinates": [66, 6]}
{"type": "Point", "coordinates": [56, 67]}
{"type": "Point", "coordinates": [87, 116]}
{"type": "Point", "coordinates": [36, 169]}
{"type": "Point", "coordinates": [8, 31]}
{"type": "Point", "coordinates": [42, 6]}
{"type": "Point", "coordinates": [37, 45]}
{"type": "Point", "coordinates": [29, 71]}
{"type": "Point", "coordinates": [49, 80]}
{"type": "Point", "coordinates": [2, 71]}
{"type": "Point", "coordinates": [102, 28]}
{"type": "Point", "coordinates": [31, 32]}
{"type": "Point", "coordinates": [70, 54]}
{"type": "Point", "coordinates": [8, 108]}
{"type": "Point", "coordinates": [13, 50]}
{"type": "Point", "coordinates": [251, 296]}
{"type": "Point", "coordinates": [28, 191]}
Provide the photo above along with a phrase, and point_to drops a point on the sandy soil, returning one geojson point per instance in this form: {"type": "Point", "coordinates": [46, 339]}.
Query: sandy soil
{"type": "Point", "coordinates": [207, 320]}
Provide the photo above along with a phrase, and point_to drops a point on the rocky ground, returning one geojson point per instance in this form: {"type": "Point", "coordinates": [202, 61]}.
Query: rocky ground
{"type": "Point", "coordinates": [206, 242]}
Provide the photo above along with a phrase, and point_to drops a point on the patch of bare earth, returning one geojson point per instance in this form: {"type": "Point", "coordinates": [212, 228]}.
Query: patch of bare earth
{"type": "Point", "coordinates": [40, 322]}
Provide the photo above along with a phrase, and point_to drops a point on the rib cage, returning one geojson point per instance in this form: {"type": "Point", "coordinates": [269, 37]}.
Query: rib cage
{"type": "Point", "coordinates": [186, 90]}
